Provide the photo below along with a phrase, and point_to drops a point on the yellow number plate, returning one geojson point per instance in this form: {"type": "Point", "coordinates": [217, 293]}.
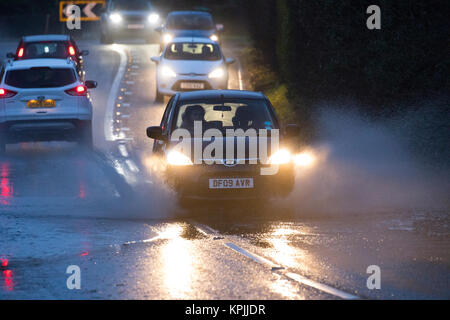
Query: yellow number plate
{"type": "Point", "coordinates": [48, 103]}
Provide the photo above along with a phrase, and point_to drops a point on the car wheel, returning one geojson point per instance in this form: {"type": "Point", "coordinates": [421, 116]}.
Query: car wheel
{"type": "Point", "coordinates": [86, 139]}
{"type": "Point", "coordinates": [159, 96]}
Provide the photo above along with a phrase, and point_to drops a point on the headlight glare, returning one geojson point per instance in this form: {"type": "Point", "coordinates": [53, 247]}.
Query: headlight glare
{"type": "Point", "coordinates": [116, 18]}
{"type": "Point", "coordinates": [218, 73]}
{"type": "Point", "coordinates": [153, 18]}
{"type": "Point", "coordinates": [167, 72]}
{"type": "Point", "coordinates": [282, 156]}
{"type": "Point", "coordinates": [214, 38]}
{"type": "Point", "coordinates": [167, 38]}
{"type": "Point", "coordinates": [176, 158]}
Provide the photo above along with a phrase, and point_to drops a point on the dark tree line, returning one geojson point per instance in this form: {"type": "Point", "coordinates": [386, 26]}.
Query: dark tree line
{"type": "Point", "coordinates": [322, 49]}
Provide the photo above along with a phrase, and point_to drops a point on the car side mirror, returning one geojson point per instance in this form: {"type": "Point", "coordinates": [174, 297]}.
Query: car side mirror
{"type": "Point", "coordinates": [85, 52]}
{"type": "Point", "coordinates": [90, 84]}
{"type": "Point", "coordinates": [155, 59]}
{"type": "Point", "coordinates": [292, 131]}
{"type": "Point", "coordinates": [10, 55]}
{"type": "Point", "coordinates": [219, 27]}
{"type": "Point", "coordinates": [230, 61]}
{"type": "Point", "coordinates": [155, 133]}
{"type": "Point", "coordinates": [159, 29]}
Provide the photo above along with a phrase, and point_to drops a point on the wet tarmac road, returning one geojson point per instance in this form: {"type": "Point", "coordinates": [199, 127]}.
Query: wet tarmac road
{"type": "Point", "coordinates": [108, 213]}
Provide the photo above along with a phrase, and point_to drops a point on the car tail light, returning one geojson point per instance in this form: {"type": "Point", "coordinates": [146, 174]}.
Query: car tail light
{"type": "Point", "coordinates": [5, 93]}
{"type": "Point", "coordinates": [20, 53]}
{"type": "Point", "coordinates": [71, 51]}
{"type": "Point", "coordinates": [77, 91]}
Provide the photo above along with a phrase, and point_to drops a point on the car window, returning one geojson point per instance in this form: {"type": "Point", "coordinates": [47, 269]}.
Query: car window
{"type": "Point", "coordinates": [53, 49]}
{"type": "Point", "coordinates": [2, 72]}
{"type": "Point", "coordinates": [40, 77]}
{"type": "Point", "coordinates": [190, 22]}
{"type": "Point", "coordinates": [229, 114]}
{"type": "Point", "coordinates": [130, 5]}
{"type": "Point", "coordinates": [192, 51]}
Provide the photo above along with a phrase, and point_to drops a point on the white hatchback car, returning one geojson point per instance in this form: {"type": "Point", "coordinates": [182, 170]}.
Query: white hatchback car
{"type": "Point", "coordinates": [188, 64]}
{"type": "Point", "coordinates": [44, 100]}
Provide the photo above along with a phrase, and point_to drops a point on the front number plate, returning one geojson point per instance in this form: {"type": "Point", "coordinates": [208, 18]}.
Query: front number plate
{"type": "Point", "coordinates": [231, 183]}
{"type": "Point", "coordinates": [135, 26]}
{"type": "Point", "coordinates": [192, 85]}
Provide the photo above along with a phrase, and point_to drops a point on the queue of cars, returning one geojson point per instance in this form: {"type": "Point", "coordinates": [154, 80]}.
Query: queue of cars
{"type": "Point", "coordinates": [44, 96]}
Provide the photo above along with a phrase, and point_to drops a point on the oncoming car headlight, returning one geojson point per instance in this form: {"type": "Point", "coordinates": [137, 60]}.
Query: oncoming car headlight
{"type": "Point", "coordinates": [153, 18]}
{"type": "Point", "coordinates": [167, 38]}
{"type": "Point", "coordinates": [218, 73]}
{"type": "Point", "coordinates": [282, 156]}
{"type": "Point", "coordinates": [176, 158]}
{"type": "Point", "coordinates": [116, 18]}
{"type": "Point", "coordinates": [214, 38]}
{"type": "Point", "coordinates": [167, 72]}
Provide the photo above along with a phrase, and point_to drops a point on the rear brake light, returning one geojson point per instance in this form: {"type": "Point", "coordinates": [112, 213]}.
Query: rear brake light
{"type": "Point", "coordinates": [77, 91]}
{"type": "Point", "coordinates": [20, 53]}
{"type": "Point", "coordinates": [5, 93]}
{"type": "Point", "coordinates": [71, 51]}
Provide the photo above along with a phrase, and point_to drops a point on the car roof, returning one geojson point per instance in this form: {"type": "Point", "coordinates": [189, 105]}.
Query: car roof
{"type": "Point", "coordinates": [189, 12]}
{"type": "Point", "coordinates": [217, 94]}
{"type": "Point", "coordinates": [193, 39]}
{"type": "Point", "coordinates": [46, 37]}
{"type": "Point", "coordinates": [30, 63]}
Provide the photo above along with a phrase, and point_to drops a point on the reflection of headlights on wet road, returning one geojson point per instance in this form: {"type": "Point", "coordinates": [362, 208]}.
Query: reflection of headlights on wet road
{"type": "Point", "coordinates": [282, 156]}
{"type": "Point", "coordinates": [214, 38]}
{"type": "Point", "coordinates": [166, 72]}
{"type": "Point", "coordinates": [167, 38]}
{"type": "Point", "coordinates": [153, 18]}
{"type": "Point", "coordinates": [218, 73]}
{"type": "Point", "coordinates": [116, 18]}
{"type": "Point", "coordinates": [176, 158]}
{"type": "Point", "coordinates": [304, 159]}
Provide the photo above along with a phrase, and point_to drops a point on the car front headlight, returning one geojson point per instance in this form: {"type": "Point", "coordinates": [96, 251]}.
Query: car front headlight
{"type": "Point", "coordinates": [167, 72]}
{"type": "Point", "coordinates": [153, 18]}
{"type": "Point", "coordinates": [218, 73]}
{"type": "Point", "coordinates": [167, 38]}
{"type": "Point", "coordinates": [214, 38]}
{"type": "Point", "coordinates": [282, 156]}
{"type": "Point", "coordinates": [116, 18]}
{"type": "Point", "coordinates": [176, 158]}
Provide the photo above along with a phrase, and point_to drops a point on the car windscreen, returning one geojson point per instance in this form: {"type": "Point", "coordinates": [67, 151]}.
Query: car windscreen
{"type": "Point", "coordinates": [130, 5]}
{"type": "Point", "coordinates": [190, 22]}
{"type": "Point", "coordinates": [192, 51]}
{"type": "Point", "coordinates": [228, 114]}
{"type": "Point", "coordinates": [40, 77]}
{"type": "Point", "coordinates": [50, 49]}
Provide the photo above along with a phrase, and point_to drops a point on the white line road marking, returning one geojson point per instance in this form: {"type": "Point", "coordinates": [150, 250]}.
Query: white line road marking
{"type": "Point", "coordinates": [252, 256]}
{"type": "Point", "coordinates": [293, 276]}
{"type": "Point", "coordinates": [320, 286]}
{"type": "Point", "coordinates": [207, 230]}
{"type": "Point", "coordinates": [109, 131]}
{"type": "Point", "coordinates": [123, 151]}
{"type": "Point", "coordinates": [132, 166]}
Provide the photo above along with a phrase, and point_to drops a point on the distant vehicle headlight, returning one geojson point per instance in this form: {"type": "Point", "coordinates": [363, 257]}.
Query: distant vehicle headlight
{"type": "Point", "coordinates": [282, 156]}
{"type": "Point", "coordinates": [214, 38]}
{"type": "Point", "coordinates": [116, 18]}
{"type": "Point", "coordinates": [167, 38]}
{"type": "Point", "coordinates": [176, 158]}
{"type": "Point", "coordinates": [167, 72]}
{"type": "Point", "coordinates": [153, 18]}
{"type": "Point", "coordinates": [218, 73]}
